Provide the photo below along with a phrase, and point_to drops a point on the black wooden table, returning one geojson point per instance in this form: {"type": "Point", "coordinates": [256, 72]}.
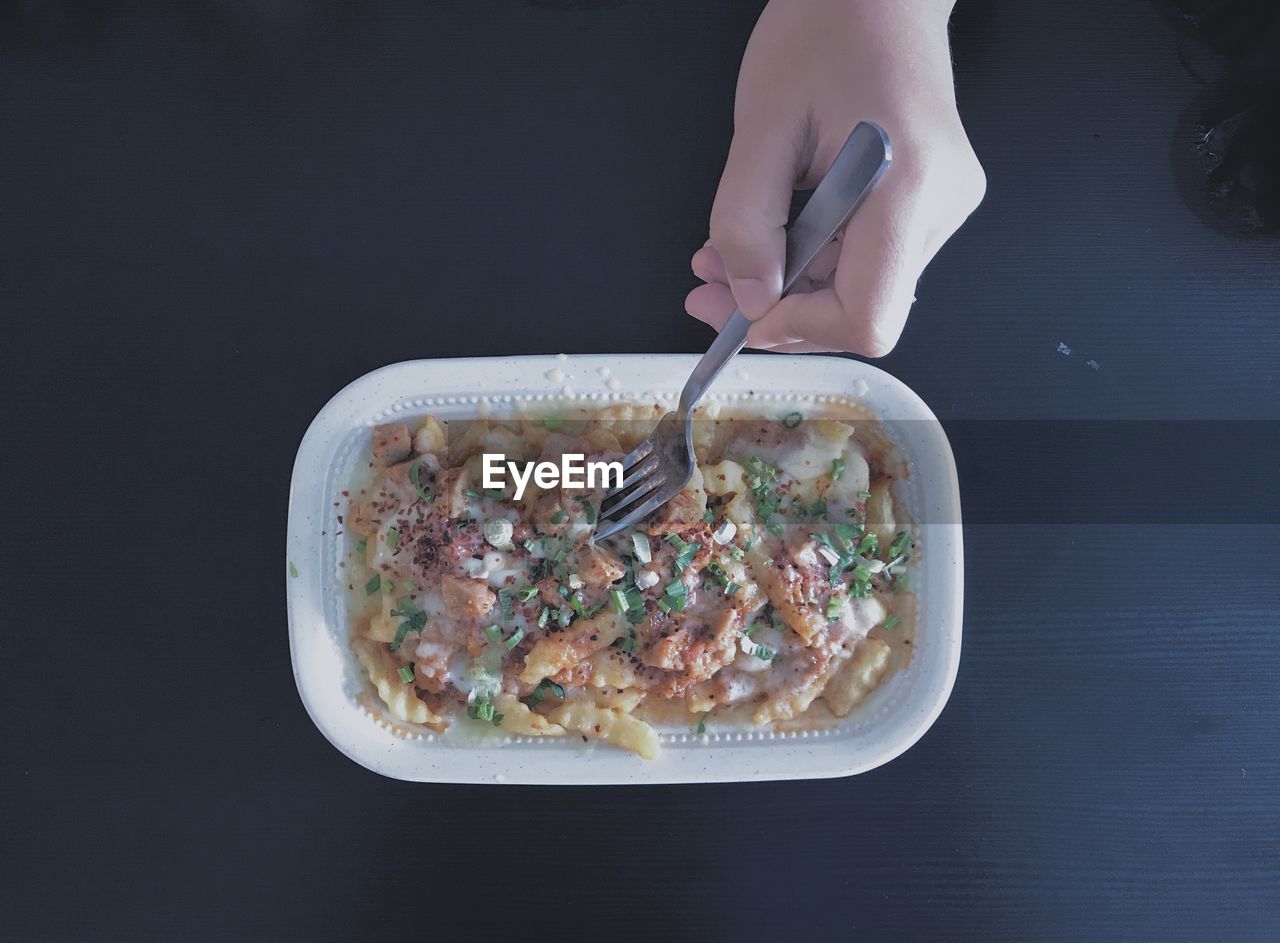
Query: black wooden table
{"type": "Point", "coordinates": [213, 217]}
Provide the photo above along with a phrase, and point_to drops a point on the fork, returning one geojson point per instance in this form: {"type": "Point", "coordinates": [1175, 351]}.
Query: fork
{"type": "Point", "coordinates": [660, 466]}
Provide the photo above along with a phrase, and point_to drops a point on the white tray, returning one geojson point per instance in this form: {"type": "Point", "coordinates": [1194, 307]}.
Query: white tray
{"type": "Point", "coordinates": [330, 682]}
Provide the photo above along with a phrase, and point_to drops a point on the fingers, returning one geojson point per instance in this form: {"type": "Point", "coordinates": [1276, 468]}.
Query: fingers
{"type": "Point", "coordinates": [864, 311]}
{"type": "Point", "coordinates": [708, 266]}
{"type": "Point", "coordinates": [882, 255]}
{"type": "Point", "coordinates": [800, 347]}
{"type": "Point", "coordinates": [712, 303]}
{"type": "Point", "coordinates": [749, 214]}
{"type": "Point", "coordinates": [858, 292]}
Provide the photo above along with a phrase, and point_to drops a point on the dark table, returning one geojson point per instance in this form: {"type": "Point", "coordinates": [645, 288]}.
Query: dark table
{"type": "Point", "coordinates": [216, 216]}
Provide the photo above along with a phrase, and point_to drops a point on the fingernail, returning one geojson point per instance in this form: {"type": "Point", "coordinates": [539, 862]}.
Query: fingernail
{"type": "Point", "coordinates": [752, 296]}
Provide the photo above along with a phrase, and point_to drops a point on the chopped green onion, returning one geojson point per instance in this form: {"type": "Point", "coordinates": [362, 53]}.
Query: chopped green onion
{"type": "Point", "coordinates": [767, 501]}
{"type": "Point", "coordinates": [373, 586]}
{"type": "Point", "coordinates": [414, 623]}
{"type": "Point", "coordinates": [543, 616]}
{"type": "Point", "coordinates": [405, 672]}
{"type": "Point", "coordinates": [846, 534]}
{"type": "Point", "coordinates": [545, 686]}
{"type": "Point", "coordinates": [558, 517]}
{"type": "Point", "coordinates": [818, 510]}
{"type": "Point", "coordinates": [415, 472]}
{"type": "Point", "coordinates": [720, 576]}
{"type": "Point", "coordinates": [837, 468]}
{"type": "Point", "coordinates": [405, 607]}
{"type": "Point", "coordinates": [640, 543]}
{"type": "Point", "coordinates": [293, 570]}
{"type": "Point", "coordinates": [515, 638]}
{"type": "Point", "coordinates": [725, 532]}
{"type": "Point", "coordinates": [635, 606]}
{"type": "Point", "coordinates": [494, 632]}
{"type": "Point", "coordinates": [504, 603]}
{"type": "Point", "coordinates": [553, 422]}
{"type": "Point", "coordinates": [673, 603]}
{"type": "Point", "coordinates": [774, 527]}
{"type": "Point", "coordinates": [471, 492]}
{"type": "Point", "coordinates": [899, 544]}
{"type": "Point", "coordinates": [702, 725]}
{"type": "Point", "coordinates": [493, 493]}
{"type": "Point", "coordinates": [529, 545]}
{"type": "Point", "coordinates": [401, 632]}
{"type": "Point", "coordinates": [863, 495]}
{"type": "Point", "coordinates": [388, 587]}
{"type": "Point", "coordinates": [497, 532]}
{"type": "Point", "coordinates": [627, 643]}
{"type": "Point", "coordinates": [527, 593]}
{"type": "Point", "coordinates": [687, 557]}
{"type": "Point", "coordinates": [619, 601]}
{"type": "Point", "coordinates": [737, 553]}
{"type": "Point", "coordinates": [685, 552]}
{"type": "Point", "coordinates": [791, 420]}
{"type": "Point", "coordinates": [833, 608]}
{"type": "Point", "coordinates": [755, 649]}
{"type": "Point", "coordinates": [890, 622]}
{"type": "Point", "coordinates": [362, 547]}
{"type": "Point", "coordinates": [393, 538]}
{"type": "Point", "coordinates": [497, 720]}
{"type": "Point", "coordinates": [589, 510]}
{"type": "Point", "coordinates": [867, 546]}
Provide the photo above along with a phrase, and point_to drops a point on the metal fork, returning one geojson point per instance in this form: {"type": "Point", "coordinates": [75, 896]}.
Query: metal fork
{"type": "Point", "coordinates": [660, 466]}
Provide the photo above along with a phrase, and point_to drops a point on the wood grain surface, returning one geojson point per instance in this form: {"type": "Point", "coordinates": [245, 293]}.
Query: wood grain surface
{"type": "Point", "coordinates": [217, 213]}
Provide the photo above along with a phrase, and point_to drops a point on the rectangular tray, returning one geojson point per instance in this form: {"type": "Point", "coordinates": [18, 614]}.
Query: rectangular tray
{"type": "Point", "coordinates": [330, 682]}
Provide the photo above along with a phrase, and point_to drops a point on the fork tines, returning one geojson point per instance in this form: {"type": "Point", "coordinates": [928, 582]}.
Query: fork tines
{"type": "Point", "coordinates": [640, 477]}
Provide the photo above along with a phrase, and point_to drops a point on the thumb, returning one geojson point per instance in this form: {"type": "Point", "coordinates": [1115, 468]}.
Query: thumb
{"type": "Point", "coordinates": [749, 216]}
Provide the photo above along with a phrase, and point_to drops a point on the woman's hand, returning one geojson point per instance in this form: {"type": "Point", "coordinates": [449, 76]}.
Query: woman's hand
{"type": "Point", "coordinates": [812, 70]}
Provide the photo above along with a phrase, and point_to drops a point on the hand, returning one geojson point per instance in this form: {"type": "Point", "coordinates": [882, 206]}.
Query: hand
{"type": "Point", "coordinates": [812, 70]}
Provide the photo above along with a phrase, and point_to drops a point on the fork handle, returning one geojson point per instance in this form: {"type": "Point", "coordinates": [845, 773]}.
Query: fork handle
{"type": "Point", "coordinates": [863, 158]}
